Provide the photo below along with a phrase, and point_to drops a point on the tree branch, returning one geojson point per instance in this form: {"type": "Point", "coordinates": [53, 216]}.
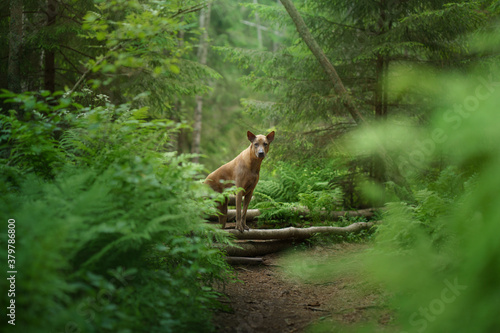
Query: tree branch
{"type": "Point", "coordinates": [79, 52]}
{"type": "Point", "coordinates": [98, 62]}
{"type": "Point", "coordinates": [69, 62]}
{"type": "Point", "coordinates": [193, 9]}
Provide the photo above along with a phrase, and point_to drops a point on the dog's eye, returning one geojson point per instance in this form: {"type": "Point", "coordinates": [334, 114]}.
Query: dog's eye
{"type": "Point", "coordinates": [256, 144]}
{"type": "Point", "coordinates": [265, 144]}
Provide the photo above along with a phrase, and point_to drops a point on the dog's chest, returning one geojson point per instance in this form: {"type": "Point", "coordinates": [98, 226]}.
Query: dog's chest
{"type": "Point", "coordinates": [247, 179]}
{"type": "Point", "coordinates": [251, 181]}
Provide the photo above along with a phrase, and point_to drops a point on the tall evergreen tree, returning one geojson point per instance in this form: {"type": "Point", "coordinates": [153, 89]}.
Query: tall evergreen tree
{"type": "Point", "coordinates": [202, 58]}
{"type": "Point", "coordinates": [15, 45]}
{"type": "Point", "coordinates": [362, 39]}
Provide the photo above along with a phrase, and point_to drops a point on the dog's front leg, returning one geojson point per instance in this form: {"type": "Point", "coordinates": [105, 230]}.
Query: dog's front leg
{"type": "Point", "coordinates": [246, 202]}
{"type": "Point", "coordinates": [239, 223]}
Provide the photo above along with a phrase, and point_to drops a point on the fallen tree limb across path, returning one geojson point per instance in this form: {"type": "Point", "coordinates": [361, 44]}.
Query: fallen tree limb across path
{"type": "Point", "coordinates": [257, 248]}
{"type": "Point", "coordinates": [252, 214]}
{"type": "Point", "coordinates": [244, 261]}
{"type": "Point", "coordinates": [299, 233]}
{"type": "Point", "coordinates": [257, 242]}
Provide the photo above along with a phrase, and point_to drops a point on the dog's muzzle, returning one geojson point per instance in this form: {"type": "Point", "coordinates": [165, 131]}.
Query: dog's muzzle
{"type": "Point", "coordinates": [261, 154]}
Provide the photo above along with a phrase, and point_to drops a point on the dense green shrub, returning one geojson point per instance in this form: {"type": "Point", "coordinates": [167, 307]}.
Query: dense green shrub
{"type": "Point", "coordinates": [448, 238]}
{"type": "Point", "coordinates": [438, 255]}
{"type": "Point", "coordinates": [109, 225]}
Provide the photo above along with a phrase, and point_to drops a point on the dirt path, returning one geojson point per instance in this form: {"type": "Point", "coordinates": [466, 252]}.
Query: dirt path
{"type": "Point", "coordinates": [271, 300]}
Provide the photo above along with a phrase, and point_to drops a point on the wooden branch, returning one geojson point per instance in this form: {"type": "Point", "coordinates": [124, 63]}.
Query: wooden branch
{"type": "Point", "coordinates": [77, 70]}
{"type": "Point", "coordinates": [77, 51]}
{"type": "Point", "coordinates": [252, 214]}
{"type": "Point", "coordinates": [300, 233]}
{"type": "Point", "coordinates": [257, 248]}
{"type": "Point", "coordinates": [193, 9]}
{"type": "Point", "coordinates": [258, 242]}
{"type": "Point", "coordinates": [244, 261]}
{"type": "Point", "coordinates": [98, 62]}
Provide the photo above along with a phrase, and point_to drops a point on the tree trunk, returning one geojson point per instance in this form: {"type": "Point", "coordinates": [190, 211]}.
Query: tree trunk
{"type": "Point", "coordinates": [379, 86]}
{"type": "Point", "coordinates": [198, 113]}
{"type": "Point", "coordinates": [259, 29]}
{"type": "Point", "coordinates": [392, 169]}
{"type": "Point", "coordinates": [49, 78]}
{"type": "Point", "coordinates": [385, 88]}
{"type": "Point", "coordinates": [50, 55]}
{"type": "Point", "coordinates": [179, 138]}
{"type": "Point", "coordinates": [202, 58]}
{"type": "Point", "coordinates": [380, 109]}
{"type": "Point", "coordinates": [15, 46]}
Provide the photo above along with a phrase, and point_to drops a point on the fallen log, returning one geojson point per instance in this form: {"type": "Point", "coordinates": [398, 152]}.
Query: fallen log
{"type": "Point", "coordinates": [258, 242]}
{"type": "Point", "coordinates": [252, 214]}
{"type": "Point", "coordinates": [299, 233]}
{"type": "Point", "coordinates": [257, 248]}
{"type": "Point", "coordinates": [244, 261]}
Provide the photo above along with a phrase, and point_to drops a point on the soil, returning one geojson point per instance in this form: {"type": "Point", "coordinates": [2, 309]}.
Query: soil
{"type": "Point", "coordinates": [295, 295]}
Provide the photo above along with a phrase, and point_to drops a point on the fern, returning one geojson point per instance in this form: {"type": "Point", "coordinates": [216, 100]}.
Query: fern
{"type": "Point", "coordinates": [279, 194]}
{"type": "Point", "coordinates": [119, 203]}
{"type": "Point", "coordinates": [270, 190]}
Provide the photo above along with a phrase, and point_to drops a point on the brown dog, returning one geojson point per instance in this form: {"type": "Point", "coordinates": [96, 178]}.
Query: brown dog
{"type": "Point", "coordinates": [244, 171]}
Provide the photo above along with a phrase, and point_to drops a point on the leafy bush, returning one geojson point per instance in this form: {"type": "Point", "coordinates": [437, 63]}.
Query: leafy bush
{"type": "Point", "coordinates": [29, 135]}
{"type": "Point", "coordinates": [447, 237]}
{"type": "Point", "coordinates": [438, 255]}
{"type": "Point", "coordinates": [110, 229]}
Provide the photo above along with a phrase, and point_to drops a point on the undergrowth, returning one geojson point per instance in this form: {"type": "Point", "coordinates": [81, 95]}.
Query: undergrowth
{"type": "Point", "coordinates": [283, 192]}
{"type": "Point", "coordinates": [110, 225]}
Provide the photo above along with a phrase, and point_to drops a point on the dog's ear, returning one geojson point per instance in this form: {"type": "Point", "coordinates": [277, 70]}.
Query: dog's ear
{"type": "Point", "coordinates": [251, 136]}
{"type": "Point", "coordinates": [270, 137]}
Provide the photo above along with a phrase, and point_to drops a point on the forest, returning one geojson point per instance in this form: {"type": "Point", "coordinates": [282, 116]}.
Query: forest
{"type": "Point", "coordinates": [386, 114]}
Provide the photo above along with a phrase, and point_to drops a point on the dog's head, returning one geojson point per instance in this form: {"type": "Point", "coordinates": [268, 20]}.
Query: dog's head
{"type": "Point", "coordinates": [260, 143]}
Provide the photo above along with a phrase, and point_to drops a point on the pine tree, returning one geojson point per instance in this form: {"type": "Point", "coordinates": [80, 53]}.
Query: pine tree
{"type": "Point", "coordinates": [362, 39]}
{"type": "Point", "coordinates": [15, 45]}
{"type": "Point", "coordinates": [202, 58]}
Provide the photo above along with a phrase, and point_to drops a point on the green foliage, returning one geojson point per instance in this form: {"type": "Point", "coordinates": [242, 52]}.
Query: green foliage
{"type": "Point", "coordinates": [110, 228]}
{"type": "Point", "coordinates": [412, 31]}
{"type": "Point", "coordinates": [364, 41]}
{"type": "Point", "coordinates": [60, 36]}
{"type": "Point", "coordinates": [438, 255]}
{"type": "Point", "coordinates": [31, 143]}
{"type": "Point", "coordinates": [145, 51]}
{"type": "Point", "coordinates": [110, 219]}
{"type": "Point", "coordinates": [288, 187]}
